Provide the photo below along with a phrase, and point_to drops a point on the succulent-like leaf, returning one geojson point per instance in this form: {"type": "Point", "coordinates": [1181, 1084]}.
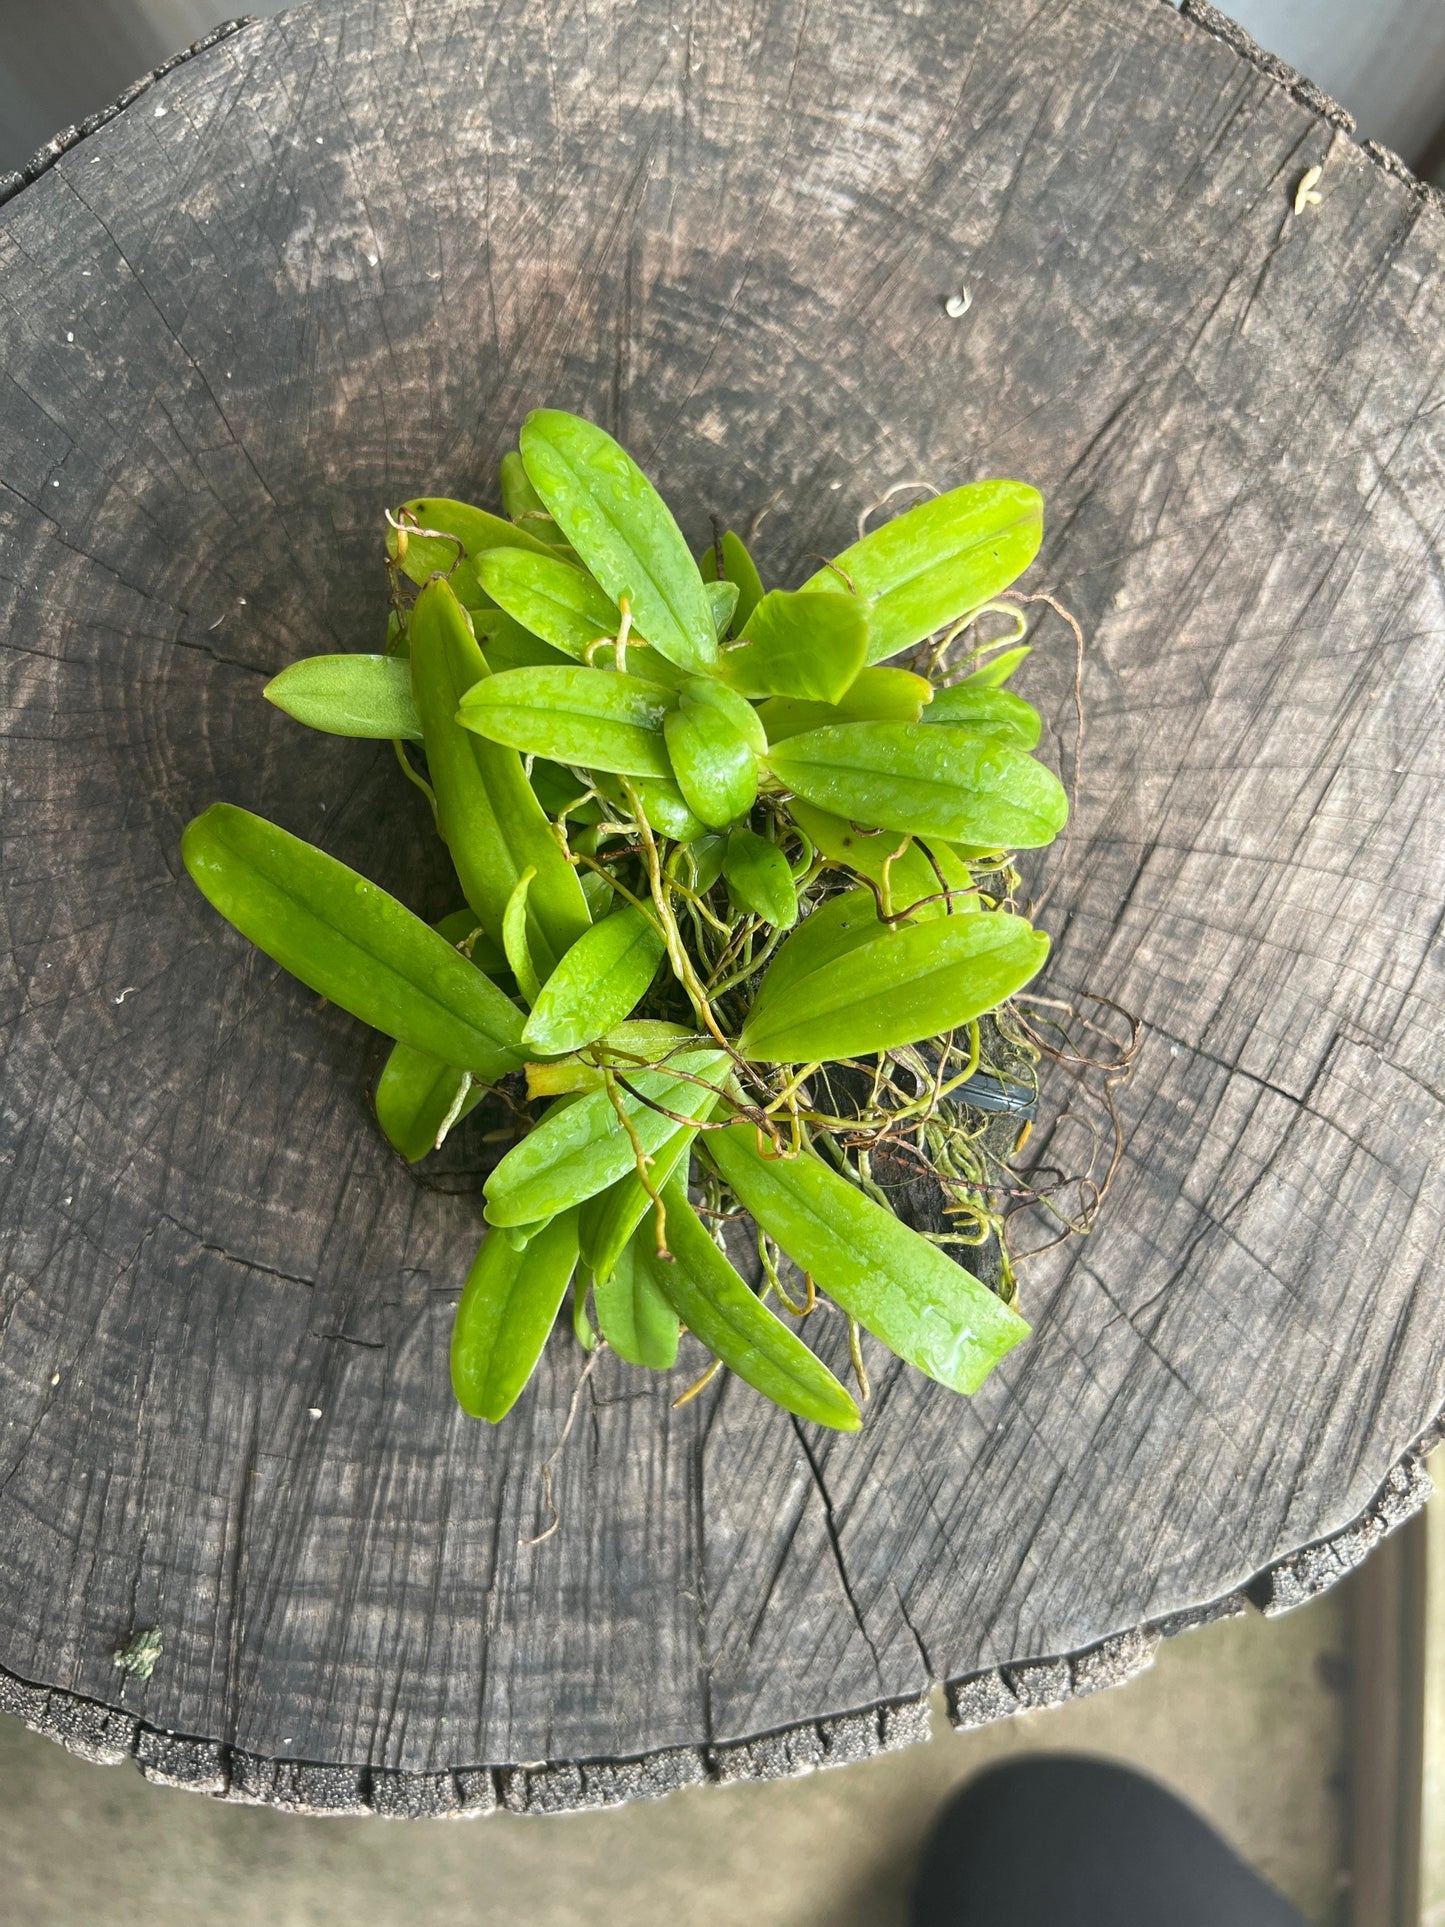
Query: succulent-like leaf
{"type": "Point", "coordinates": [508, 1307]}
{"type": "Point", "coordinates": [796, 644]}
{"type": "Point", "coordinates": [989, 711]}
{"type": "Point", "coordinates": [903, 984]}
{"type": "Point", "coordinates": [579, 1148]}
{"type": "Point", "coordinates": [492, 822]}
{"type": "Point", "coordinates": [367, 696]}
{"type": "Point", "coordinates": [551, 598]}
{"type": "Point", "coordinates": [899, 866]}
{"type": "Point", "coordinates": [875, 695]}
{"type": "Point", "coordinates": [938, 560]}
{"type": "Point", "coordinates": [351, 942]}
{"type": "Point", "coordinates": [596, 985]}
{"type": "Point", "coordinates": [900, 1287]}
{"type": "Point", "coordinates": [715, 766]}
{"type": "Point", "coordinates": [759, 879]}
{"type": "Point", "coordinates": [719, 1308]}
{"type": "Point", "coordinates": [739, 568]}
{"type": "Point", "coordinates": [594, 718]}
{"type": "Point", "coordinates": [636, 1320]}
{"type": "Point", "coordinates": [623, 532]}
{"type": "Point", "coordinates": [461, 531]}
{"type": "Point", "coordinates": [928, 779]}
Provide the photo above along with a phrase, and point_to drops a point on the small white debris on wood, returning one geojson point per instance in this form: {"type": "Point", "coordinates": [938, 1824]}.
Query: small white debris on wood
{"type": "Point", "coordinates": [55, 1378]}
{"type": "Point", "coordinates": [1305, 194]}
{"type": "Point", "coordinates": [958, 305]}
{"type": "Point", "coordinates": [129, 991]}
{"type": "Point", "coordinates": [160, 113]}
{"type": "Point", "coordinates": [313, 1411]}
{"type": "Point", "coordinates": [68, 335]}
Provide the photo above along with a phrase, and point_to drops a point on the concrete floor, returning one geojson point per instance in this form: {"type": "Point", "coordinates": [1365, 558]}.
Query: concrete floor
{"type": "Point", "coordinates": [1247, 1719]}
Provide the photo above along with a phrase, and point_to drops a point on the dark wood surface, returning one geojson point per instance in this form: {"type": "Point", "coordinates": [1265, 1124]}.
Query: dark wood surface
{"type": "Point", "coordinates": [329, 263]}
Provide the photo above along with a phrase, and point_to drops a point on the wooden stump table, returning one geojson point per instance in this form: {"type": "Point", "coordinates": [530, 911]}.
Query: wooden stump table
{"type": "Point", "coordinates": [327, 262]}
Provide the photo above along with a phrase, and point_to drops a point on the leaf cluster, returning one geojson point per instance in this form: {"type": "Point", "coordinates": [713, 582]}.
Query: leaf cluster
{"type": "Point", "coordinates": [732, 910]}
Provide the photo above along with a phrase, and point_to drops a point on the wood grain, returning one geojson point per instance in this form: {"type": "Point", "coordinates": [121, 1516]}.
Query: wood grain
{"type": "Point", "coordinates": [330, 261]}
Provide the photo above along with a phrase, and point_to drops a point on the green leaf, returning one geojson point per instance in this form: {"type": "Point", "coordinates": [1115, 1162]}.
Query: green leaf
{"type": "Point", "coordinates": [580, 1148]}
{"type": "Point", "coordinates": [989, 711]}
{"type": "Point", "coordinates": [508, 1307]}
{"type": "Point", "coordinates": [349, 696]}
{"type": "Point", "coordinates": [594, 718]}
{"type": "Point", "coordinates": [636, 1320]}
{"type": "Point", "coordinates": [874, 696]}
{"type": "Point", "coordinates": [707, 855]}
{"type": "Point", "coordinates": [910, 878]}
{"type": "Point", "coordinates": [609, 1220]}
{"type": "Point", "coordinates": [900, 986]}
{"type": "Point", "coordinates": [722, 600]}
{"type": "Point", "coordinates": [938, 560]}
{"type": "Point", "coordinates": [718, 1307]}
{"type": "Point", "coordinates": [460, 528]}
{"type": "Point", "coordinates": [994, 674]}
{"type": "Point", "coordinates": [716, 767]}
{"type": "Point", "coordinates": [514, 938]}
{"type": "Point", "coordinates": [925, 778]}
{"type": "Point", "coordinates": [549, 597]}
{"type": "Point", "coordinates": [663, 804]}
{"type": "Point", "coordinates": [737, 567]}
{"type": "Point", "coordinates": [492, 822]}
{"type": "Point", "coordinates": [900, 1287]}
{"type": "Point", "coordinates": [415, 1095]}
{"type": "Point", "coordinates": [507, 645]}
{"type": "Point", "coordinates": [832, 930]}
{"type": "Point", "coordinates": [708, 693]}
{"type": "Point", "coordinates": [799, 644]}
{"type": "Point", "coordinates": [629, 1046]}
{"type": "Point", "coordinates": [350, 942]}
{"type": "Point", "coordinates": [622, 530]}
{"type": "Point", "coordinates": [759, 878]}
{"type": "Point", "coordinates": [524, 505]}
{"type": "Point", "coordinates": [596, 985]}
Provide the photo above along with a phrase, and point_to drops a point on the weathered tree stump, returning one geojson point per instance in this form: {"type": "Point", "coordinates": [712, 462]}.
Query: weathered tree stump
{"type": "Point", "coordinates": [329, 262]}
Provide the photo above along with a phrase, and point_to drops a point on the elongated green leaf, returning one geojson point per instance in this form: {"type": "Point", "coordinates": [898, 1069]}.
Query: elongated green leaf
{"type": "Point", "coordinates": [629, 1046]}
{"type": "Point", "coordinates": [609, 1220]}
{"type": "Point", "coordinates": [622, 530]}
{"type": "Point", "coordinates": [902, 985]}
{"type": "Point", "coordinates": [722, 599]}
{"type": "Point", "coordinates": [935, 562]}
{"type": "Point", "coordinates": [994, 674]}
{"type": "Point", "coordinates": [508, 1307]}
{"type": "Point", "coordinates": [550, 597]}
{"type": "Point", "coordinates": [417, 1093]}
{"type": "Point", "coordinates": [908, 880]}
{"type": "Point", "coordinates": [801, 645]}
{"type": "Point", "coordinates": [351, 942]}
{"type": "Point", "coordinates": [737, 567]}
{"type": "Point", "coordinates": [926, 778]}
{"type": "Point", "coordinates": [900, 1287]}
{"type": "Point", "coordinates": [877, 695]}
{"type": "Point", "coordinates": [492, 822]}
{"type": "Point", "coordinates": [458, 528]}
{"type": "Point", "coordinates": [349, 696]}
{"type": "Point", "coordinates": [663, 804]}
{"type": "Point", "coordinates": [716, 1305]}
{"type": "Point", "coordinates": [989, 711]}
{"type": "Point", "coordinates": [715, 767]}
{"type": "Point", "coordinates": [507, 645]}
{"type": "Point", "coordinates": [596, 985]}
{"type": "Point", "coordinates": [707, 692]}
{"type": "Point", "coordinates": [595, 718]}
{"type": "Point", "coordinates": [833, 930]}
{"type": "Point", "coordinates": [580, 1148]}
{"type": "Point", "coordinates": [524, 505]}
{"type": "Point", "coordinates": [636, 1320]}
{"type": "Point", "coordinates": [759, 878]}
{"type": "Point", "coordinates": [514, 937]}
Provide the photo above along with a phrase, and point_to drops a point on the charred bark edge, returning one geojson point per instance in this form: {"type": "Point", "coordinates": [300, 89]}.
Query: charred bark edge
{"type": "Point", "coordinates": [68, 137]}
{"type": "Point", "coordinates": [109, 1736]}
